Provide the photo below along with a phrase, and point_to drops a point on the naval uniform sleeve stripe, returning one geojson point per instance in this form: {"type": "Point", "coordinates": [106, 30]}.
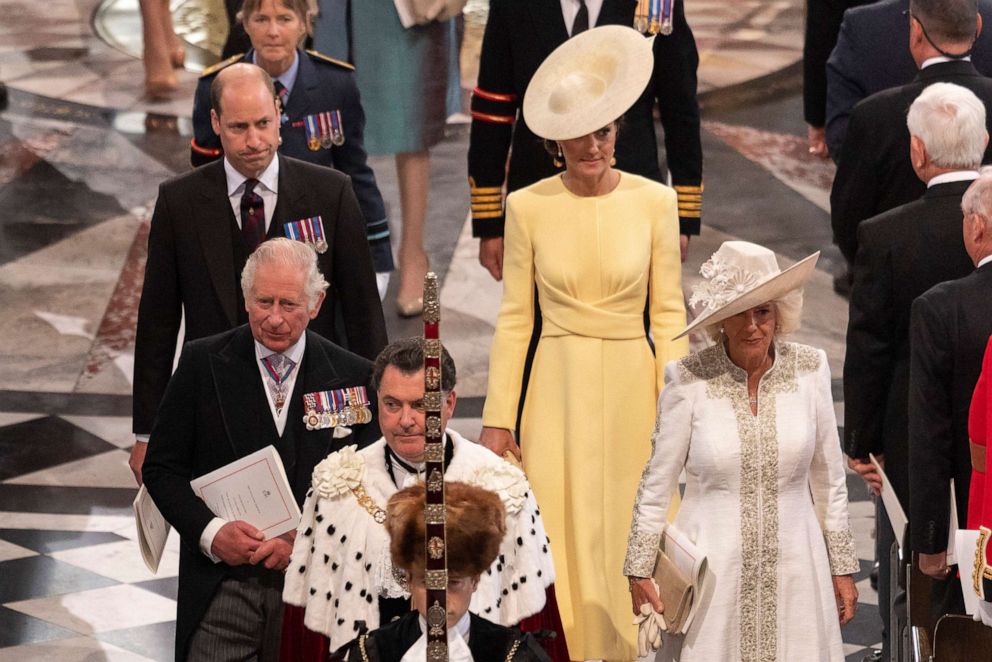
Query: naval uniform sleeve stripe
{"type": "Point", "coordinates": [485, 190]}
{"type": "Point", "coordinates": [494, 206]}
{"type": "Point", "coordinates": [487, 214]}
{"type": "Point", "coordinates": [690, 196]}
{"type": "Point", "coordinates": [206, 151]}
{"type": "Point", "coordinates": [689, 189]}
{"type": "Point", "coordinates": [690, 214]}
{"type": "Point", "coordinates": [494, 96]}
{"type": "Point", "coordinates": [493, 119]}
{"type": "Point", "coordinates": [486, 198]}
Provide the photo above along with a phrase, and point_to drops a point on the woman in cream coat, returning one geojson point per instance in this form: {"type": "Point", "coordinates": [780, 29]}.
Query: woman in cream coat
{"type": "Point", "coordinates": [751, 421]}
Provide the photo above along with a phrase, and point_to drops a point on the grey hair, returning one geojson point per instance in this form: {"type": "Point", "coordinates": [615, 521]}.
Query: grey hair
{"type": "Point", "coordinates": [950, 120]}
{"type": "Point", "coordinates": [978, 198]}
{"type": "Point", "coordinates": [289, 253]}
{"type": "Point", "coordinates": [788, 315]}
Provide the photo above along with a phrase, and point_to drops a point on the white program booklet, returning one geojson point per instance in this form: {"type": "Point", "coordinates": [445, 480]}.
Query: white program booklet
{"type": "Point", "coordinates": [897, 516]}
{"type": "Point", "coordinates": [153, 530]}
{"type": "Point", "coordinates": [952, 529]}
{"type": "Point", "coordinates": [691, 561]}
{"type": "Point", "coordinates": [253, 489]}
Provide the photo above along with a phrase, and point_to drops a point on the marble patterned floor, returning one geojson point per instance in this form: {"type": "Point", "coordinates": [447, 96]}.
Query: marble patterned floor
{"type": "Point", "coordinates": [81, 156]}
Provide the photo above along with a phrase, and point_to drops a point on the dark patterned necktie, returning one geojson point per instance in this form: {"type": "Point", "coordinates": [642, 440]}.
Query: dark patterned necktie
{"type": "Point", "coordinates": [581, 22]}
{"type": "Point", "coordinates": [252, 216]}
{"type": "Point", "coordinates": [283, 95]}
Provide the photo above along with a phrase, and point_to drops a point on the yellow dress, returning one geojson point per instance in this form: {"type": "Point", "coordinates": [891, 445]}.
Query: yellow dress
{"type": "Point", "coordinates": [594, 385]}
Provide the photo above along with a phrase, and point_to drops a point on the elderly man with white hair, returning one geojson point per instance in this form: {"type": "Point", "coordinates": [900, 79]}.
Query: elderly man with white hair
{"type": "Point", "coordinates": [901, 254]}
{"type": "Point", "coordinates": [233, 394]}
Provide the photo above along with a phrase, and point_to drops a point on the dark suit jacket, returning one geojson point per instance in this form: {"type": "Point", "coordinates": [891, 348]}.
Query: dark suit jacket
{"type": "Point", "coordinates": [322, 85]}
{"type": "Point", "coordinates": [872, 54]}
{"type": "Point", "coordinates": [875, 173]}
{"type": "Point", "coordinates": [902, 253]}
{"type": "Point", "coordinates": [487, 641]}
{"type": "Point", "coordinates": [214, 412]}
{"type": "Point", "coordinates": [823, 21]}
{"type": "Point", "coordinates": [519, 35]}
{"type": "Point", "coordinates": [195, 258]}
{"type": "Point", "coordinates": [951, 324]}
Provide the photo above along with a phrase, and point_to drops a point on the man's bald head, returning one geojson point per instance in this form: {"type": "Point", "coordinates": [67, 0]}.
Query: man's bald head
{"type": "Point", "coordinates": [242, 75]}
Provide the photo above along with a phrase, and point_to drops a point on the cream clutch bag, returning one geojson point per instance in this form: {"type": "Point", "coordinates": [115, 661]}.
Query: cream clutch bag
{"type": "Point", "coordinates": [679, 572]}
{"type": "Point", "coordinates": [675, 591]}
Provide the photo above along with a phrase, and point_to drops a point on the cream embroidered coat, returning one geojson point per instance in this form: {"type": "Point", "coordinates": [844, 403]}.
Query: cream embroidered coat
{"type": "Point", "coordinates": [340, 562]}
{"type": "Point", "coordinates": [765, 499]}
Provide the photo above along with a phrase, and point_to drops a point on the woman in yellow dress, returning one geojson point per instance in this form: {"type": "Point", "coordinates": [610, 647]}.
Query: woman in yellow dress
{"type": "Point", "coordinates": [596, 245]}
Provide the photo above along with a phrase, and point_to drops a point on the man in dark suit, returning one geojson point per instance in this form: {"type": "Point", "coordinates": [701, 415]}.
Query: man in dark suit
{"type": "Point", "coordinates": [874, 173]}
{"type": "Point", "coordinates": [901, 254]}
{"type": "Point", "coordinates": [871, 56]}
{"type": "Point", "coordinates": [823, 22]}
{"type": "Point", "coordinates": [320, 99]}
{"type": "Point", "coordinates": [950, 327]}
{"type": "Point", "coordinates": [519, 35]}
{"type": "Point", "coordinates": [233, 394]}
{"type": "Point", "coordinates": [198, 243]}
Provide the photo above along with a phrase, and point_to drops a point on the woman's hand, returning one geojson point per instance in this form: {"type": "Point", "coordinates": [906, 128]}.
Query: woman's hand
{"type": "Point", "coordinates": [499, 440]}
{"type": "Point", "coordinates": [642, 591]}
{"type": "Point", "coordinates": [846, 595]}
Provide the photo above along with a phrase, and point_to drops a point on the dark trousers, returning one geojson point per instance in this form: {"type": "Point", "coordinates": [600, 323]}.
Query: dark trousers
{"type": "Point", "coordinates": [242, 623]}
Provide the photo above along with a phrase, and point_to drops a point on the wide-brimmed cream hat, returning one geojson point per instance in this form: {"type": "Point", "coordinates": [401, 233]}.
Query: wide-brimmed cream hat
{"type": "Point", "coordinates": [740, 276]}
{"type": "Point", "coordinates": [587, 82]}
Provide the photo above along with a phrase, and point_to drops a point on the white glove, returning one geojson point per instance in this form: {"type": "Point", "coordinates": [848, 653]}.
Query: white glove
{"type": "Point", "coordinates": [650, 624]}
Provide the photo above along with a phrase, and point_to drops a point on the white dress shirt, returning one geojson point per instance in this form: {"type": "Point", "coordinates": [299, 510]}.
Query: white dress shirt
{"type": "Point", "coordinates": [569, 8]}
{"type": "Point", "coordinates": [458, 650]}
{"type": "Point", "coordinates": [937, 59]}
{"type": "Point", "coordinates": [956, 176]}
{"type": "Point", "coordinates": [268, 188]}
{"type": "Point", "coordinates": [295, 354]}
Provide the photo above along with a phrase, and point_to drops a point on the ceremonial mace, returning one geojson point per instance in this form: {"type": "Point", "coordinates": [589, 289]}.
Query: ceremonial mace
{"type": "Point", "coordinates": [437, 562]}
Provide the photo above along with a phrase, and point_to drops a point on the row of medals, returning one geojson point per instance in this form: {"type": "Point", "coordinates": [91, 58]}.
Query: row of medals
{"type": "Point", "coordinates": [326, 141]}
{"type": "Point", "coordinates": [328, 419]}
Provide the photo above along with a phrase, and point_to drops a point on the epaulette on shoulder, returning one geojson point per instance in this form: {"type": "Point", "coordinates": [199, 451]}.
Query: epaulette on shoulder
{"type": "Point", "coordinates": [214, 68]}
{"type": "Point", "coordinates": [340, 63]}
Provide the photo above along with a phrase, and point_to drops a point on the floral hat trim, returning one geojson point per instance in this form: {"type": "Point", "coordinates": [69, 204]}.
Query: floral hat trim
{"type": "Point", "coordinates": [723, 283]}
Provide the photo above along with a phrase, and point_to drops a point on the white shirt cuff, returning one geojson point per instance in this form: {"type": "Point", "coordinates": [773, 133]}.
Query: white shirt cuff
{"type": "Point", "coordinates": [207, 538]}
{"type": "Point", "coordinates": [142, 438]}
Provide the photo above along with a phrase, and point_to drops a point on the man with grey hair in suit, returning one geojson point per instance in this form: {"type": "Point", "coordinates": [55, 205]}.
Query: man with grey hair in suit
{"type": "Point", "coordinates": [235, 393]}
{"type": "Point", "coordinates": [950, 326]}
{"type": "Point", "coordinates": [901, 254]}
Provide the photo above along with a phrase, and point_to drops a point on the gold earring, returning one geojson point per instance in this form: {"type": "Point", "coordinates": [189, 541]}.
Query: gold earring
{"type": "Point", "coordinates": [559, 159]}
{"type": "Point", "coordinates": [613, 161]}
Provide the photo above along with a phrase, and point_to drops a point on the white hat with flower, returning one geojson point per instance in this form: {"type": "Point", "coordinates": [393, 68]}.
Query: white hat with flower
{"type": "Point", "coordinates": [742, 275]}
